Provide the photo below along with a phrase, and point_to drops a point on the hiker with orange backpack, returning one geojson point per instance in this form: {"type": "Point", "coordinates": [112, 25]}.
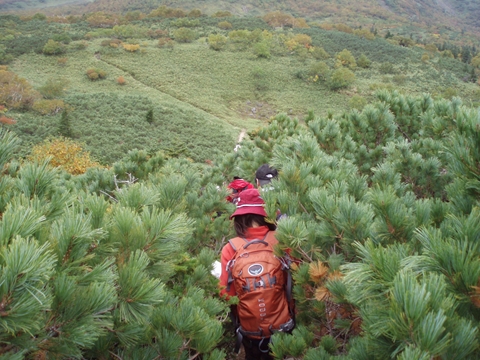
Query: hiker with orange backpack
{"type": "Point", "coordinates": [260, 280]}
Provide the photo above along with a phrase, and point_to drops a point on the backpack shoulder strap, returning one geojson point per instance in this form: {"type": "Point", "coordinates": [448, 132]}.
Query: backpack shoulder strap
{"type": "Point", "coordinates": [237, 242]}
{"type": "Point", "coordinates": [271, 239]}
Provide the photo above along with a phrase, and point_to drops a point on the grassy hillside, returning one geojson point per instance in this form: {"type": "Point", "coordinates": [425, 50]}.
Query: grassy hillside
{"type": "Point", "coordinates": [111, 119]}
{"type": "Point", "coordinates": [202, 98]}
{"type": "Point", "coordinates": [380, 187]}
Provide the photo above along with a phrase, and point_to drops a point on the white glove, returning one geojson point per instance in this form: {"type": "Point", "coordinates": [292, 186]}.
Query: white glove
{"type": "Point", "coordinates": [217, 269]}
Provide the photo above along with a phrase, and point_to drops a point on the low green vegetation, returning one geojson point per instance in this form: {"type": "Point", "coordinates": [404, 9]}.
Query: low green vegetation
{"type": "Point", "coordinates": [218, 80]}
{"type": "Point", "coordinates": [116, 144]}
{"type": "Point", "coordinates": [381, 205]}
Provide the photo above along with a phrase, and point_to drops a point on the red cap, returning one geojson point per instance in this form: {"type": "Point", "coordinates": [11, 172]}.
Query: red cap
{"type": "Point", "coordinates": [249, 202]}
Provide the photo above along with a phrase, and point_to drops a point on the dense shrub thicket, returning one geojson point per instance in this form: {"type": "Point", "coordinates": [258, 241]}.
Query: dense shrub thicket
{"type": "Point", "coordinates": [101, 261]}
{"type": "Point", "coordinates": [382, 208]}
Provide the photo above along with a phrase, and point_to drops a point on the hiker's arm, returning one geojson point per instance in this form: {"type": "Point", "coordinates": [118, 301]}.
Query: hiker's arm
{"type": "Point", "coordinates": [227, 255]}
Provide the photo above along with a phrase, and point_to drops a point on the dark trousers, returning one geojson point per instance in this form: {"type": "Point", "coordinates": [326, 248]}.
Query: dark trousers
{"type": "Point", "coordinates": [253, 349]}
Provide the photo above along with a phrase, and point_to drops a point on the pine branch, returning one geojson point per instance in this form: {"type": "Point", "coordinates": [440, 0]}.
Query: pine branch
{"type": "Point", "coordinates": [111, 197]}
{"type": "Point", "coordinates": [115, 355]}
{"type": "Point", "coordinates": [404, 133]}
{"type": "Point", "coordinates": [303, 208]}
{"type": "Point", "coordinates": [194, 356]}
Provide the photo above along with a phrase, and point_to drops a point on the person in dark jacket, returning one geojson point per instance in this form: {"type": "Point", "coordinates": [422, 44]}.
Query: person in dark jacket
{"type": "Point", "coordinates": [264, 176]}
{"type": "Point", "coordinates": [263, 179]}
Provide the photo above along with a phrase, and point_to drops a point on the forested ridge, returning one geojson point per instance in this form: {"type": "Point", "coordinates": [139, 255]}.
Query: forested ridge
{"type": "Point", "coordinates": [117, 135]}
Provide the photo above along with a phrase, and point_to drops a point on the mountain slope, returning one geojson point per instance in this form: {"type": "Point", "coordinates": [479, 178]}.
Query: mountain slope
{"type": "Point", "coordinates": [433, 16]}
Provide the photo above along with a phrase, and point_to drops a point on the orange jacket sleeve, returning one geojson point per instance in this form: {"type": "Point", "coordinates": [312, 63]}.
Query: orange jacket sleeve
{"type": "Point", "coordinates": [227, 255]}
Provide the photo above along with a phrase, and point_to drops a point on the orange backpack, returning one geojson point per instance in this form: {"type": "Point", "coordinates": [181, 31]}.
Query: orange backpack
{"type": "Point", "coordinates": [263, 286]}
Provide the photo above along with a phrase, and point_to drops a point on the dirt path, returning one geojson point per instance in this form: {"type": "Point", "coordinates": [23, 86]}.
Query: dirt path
{"type": "Point", "coordinates": [241, 136]}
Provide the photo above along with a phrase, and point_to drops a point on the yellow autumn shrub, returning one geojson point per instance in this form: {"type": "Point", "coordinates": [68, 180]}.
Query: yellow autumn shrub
{"type": "Point", "coordinates": [300, 23]}
{"type": "Point", "coordinates": [131, 47]}
{"type": "Point", "coordinates": [303, 39]}
{"type": "Point", "coordinates": [64, 153]}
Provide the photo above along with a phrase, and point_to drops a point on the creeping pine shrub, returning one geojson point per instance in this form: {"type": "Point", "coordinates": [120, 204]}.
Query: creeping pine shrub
{"type": "Point", "coordinates": [224, 25]}
{"type": "Point", "coordinates": [341, 78]}
{"type": "Point", "coordinates": [53, 88]}
{"type": "Point", "coordinates": [345, 58]}
{"type": "Point", "coordinates": [78, 45]}
{"type": "Point", "coordinates": [386, 68]}
{"type": "Point", "coordinates": [399, 79]}
{"type": "Point", "coordinates": [62, 38]}
{"type": "Point", "coordinates": [449, 93]}
{"type": "Point", "coordinates": [262, 50]}
{"type": "Point", "coordinates": [96, 74]}
{"type": "Point", "coordinates": [184, 35]}
{"type": "Point", "coordinates": [183, 22]}
{"type": "Point", "coordinates": [221, 13]}
{"type": "Point", "coordinates": [363, 61]}
{"type": "Point", "coordinates": [53, 47]}
{"type": "Point", "coordinates": [111, 42]}
{"type": "Point", "coordinates": [319, 53]}
{"type": "Point", "coordinates": [357, 102]}
{"type": "Point", "coordinates": [217, 42]}
{"type": "Point", "coordinates": [49, 107]}
{"type": "Point", "coordinates": [149, 116]}
{"type": "Point", "coordinates": [259, 79]}
{"type": "Point", "coordinates": [319, 70]}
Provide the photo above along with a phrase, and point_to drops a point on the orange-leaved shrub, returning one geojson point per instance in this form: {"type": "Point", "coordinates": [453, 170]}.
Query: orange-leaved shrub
{"type": "Point", "coordinates": [344, 28]}
{"type": "Point", "coordinates": [165, 43]}
{"type": "Point", "coordinates": [64, 153]}
{"type": "Point", "coordinates": [121, 80]}
{"type": "Point", "coordinates": [6, 120]}
{"type": "Point", "coordinates": [16, 92]}
{"type": "Point", "coordinates": [62, 61]}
